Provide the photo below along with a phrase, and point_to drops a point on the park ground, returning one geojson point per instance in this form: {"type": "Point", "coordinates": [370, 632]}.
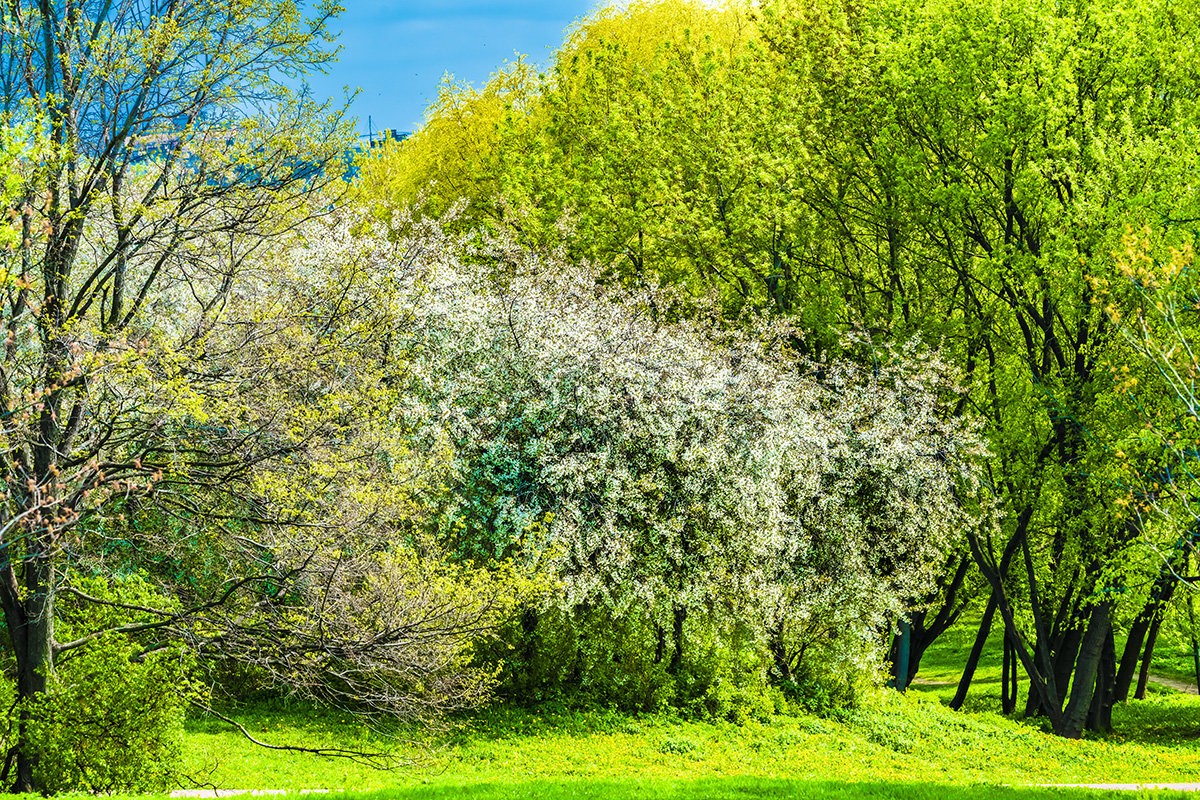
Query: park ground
{"type": "Point", "coordinates": [910, 747]}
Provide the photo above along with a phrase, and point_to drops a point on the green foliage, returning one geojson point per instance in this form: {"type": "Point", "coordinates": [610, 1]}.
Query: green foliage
{"type": "Point", "coordinates": [590, 658]}
{"type": "Point", "coordinates": [678, 745]}
{"type": "Point", "coordinates": [112, 718]}
{"type": "Point", "coordinates": [109, 725]}
{"type": "Point", "coordinates": [586, 657]}
{"type": "Point", "coordinates": [958, 172]}
{"type": "Point", "coordinates": [818, 687]}
{"type": "Point", "coordinates": [689, 492]}
{"type": "Point", "coordinates": [452, 157]}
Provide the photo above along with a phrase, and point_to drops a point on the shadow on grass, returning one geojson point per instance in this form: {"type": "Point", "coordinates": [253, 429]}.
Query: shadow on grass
{"type": "Point", "coordinates": [1159, 719]}
{"type": "Point", "coordinates": [742, 789]}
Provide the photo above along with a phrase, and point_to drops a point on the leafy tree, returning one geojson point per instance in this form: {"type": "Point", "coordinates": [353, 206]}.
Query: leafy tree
{"type": "Point", "coordinates": [985, 157]}
{"type": "Point", "coordinates": [1152, 300]}
{"type": "Point", "coordinates": [172, 344]}
{"type": "Point", "coordinates": [453, 156]}
{"type": "Point", "coordinates": [957, 172]}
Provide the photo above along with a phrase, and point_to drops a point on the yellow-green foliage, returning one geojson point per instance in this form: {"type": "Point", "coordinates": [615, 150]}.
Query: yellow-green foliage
{"type": "Point", "coordinates": [484, 144]}
{"type": "Point", "coordinates": [642, 30]}
{"type": "Point", "coordinates": [454, 154]}
{"type": "Point", "coordinates": [112, 720]}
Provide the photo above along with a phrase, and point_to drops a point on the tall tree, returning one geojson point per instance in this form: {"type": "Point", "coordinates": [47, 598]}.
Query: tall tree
{"type": "Point", "coordinates": [156, 348]}
{"type": "Point", "coordinates": [981, 158]}
{"type": "Point", "coordinates": [959, 172]}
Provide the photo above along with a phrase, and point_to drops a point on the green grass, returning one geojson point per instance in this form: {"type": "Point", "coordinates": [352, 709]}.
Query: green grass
{"type": "Point", "coordinates": [942, 665]}
{"type": "Point", "coordinates": [910, 747]}
{"type": "Point", "coordinates": [904, 747]}
{"type": "Point", "coordinates": [739, 788]}
{"type": "Point", "coordinates": [1173, 661]}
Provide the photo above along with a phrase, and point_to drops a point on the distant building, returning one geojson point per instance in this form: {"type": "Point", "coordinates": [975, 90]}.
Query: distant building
{"type": "Point", "coordinates": [370, 142]}
{"type": "Point", "coordinates": [380, 138]}
{"type": "Point", "coordinates": [155, 147]}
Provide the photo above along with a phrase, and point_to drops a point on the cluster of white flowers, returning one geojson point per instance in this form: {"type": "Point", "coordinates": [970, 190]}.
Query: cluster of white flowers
{"type": "Point", "coordinates": [655, 462]}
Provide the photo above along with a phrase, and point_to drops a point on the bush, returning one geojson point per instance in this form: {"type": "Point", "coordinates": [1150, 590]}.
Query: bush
{"type": "Point", "coordinates": [112, 719]}
{"type": "Point", "coordinates": [678, 745]}
{"type": "Point", "coordinates": [589, 658]}
{"type": "Point", "coordinates": [586, 655]}
{"type": "Point", "coordinates": [688, 489]}
{"type": "Point", "coordinates": [110, 724]}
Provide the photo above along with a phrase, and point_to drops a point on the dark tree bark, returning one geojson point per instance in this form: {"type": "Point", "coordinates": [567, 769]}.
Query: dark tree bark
{"type": "Point", "coordinates": [1191, 607]}
{"type": "Point", "coordinates": [1035, 660]}
{"type": "Point", "coordinates": [680, 617]}
{"type": "Point", "coordinates": [1100, 714]}
{"type": "Point", "coordinates": [1008, 679]}
{"type": "Point", "coordinates": [985, 628]}
{"type": "Point", "coordinates": [1083, 686]}
{"type": "Point", "coordinates": [1065, 637]}
{"type": "Point", "coordinates": [901, 656]}
{"type": "Point", "coordinates": [1160, 595]}
{"type": "Point", "coordinates": [67, 76]}
{"type": "Point", "coordinates": [923, 631]}
{"type": "Point", "coordinates": [1147, 657]}
{"type": "Point", "coordinates": [995, 579]}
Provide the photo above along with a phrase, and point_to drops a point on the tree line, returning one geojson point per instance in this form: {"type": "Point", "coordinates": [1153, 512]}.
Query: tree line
{"type": "Point", "coordinates": [967, 175]}
{"type": "Point", "coordinates": [717, 366]}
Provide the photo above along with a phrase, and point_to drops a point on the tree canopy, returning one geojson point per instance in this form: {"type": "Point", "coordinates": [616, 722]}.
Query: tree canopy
{"type": "Point", "coordinates": [961, 173]}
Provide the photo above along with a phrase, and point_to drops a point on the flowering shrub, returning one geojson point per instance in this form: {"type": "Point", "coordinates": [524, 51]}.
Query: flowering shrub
{"type": "Point", "coordinates": [695, 492]}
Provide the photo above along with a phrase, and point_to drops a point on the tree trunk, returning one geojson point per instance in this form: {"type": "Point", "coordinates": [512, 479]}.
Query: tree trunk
{"type": "Point", "coordinates": [1100, 715]}
{"type": "Point", "coordinates": [900, 662]}
{"type": "Point", "coordinates": [1040, 677]}
{"type": "Point", "coordinates": [1084, 684]}
{"type": "Point", "coordinates": [985, 628]}
{"type": "Point", "coordinates": [1131, 654]}
{"type": "Point", "coordinates": [922, 631]}
{"type": "Point", "coordinates": [1065, 655]}
{"type": "Point", "coordinates": [30, 622]}
{"type": "Point", "coordinates": [1144, 673]}
{"type": "Point", "coordinates": [779, 654]}
{"type": "Point", "coordinates": [1160, 594]}
{"type": "Point", "coordinates": [1195, 644]}
{"type": "Point", "coordinates": [1008, 679]}
{"type": "Point", "coordinates": [677, 636]}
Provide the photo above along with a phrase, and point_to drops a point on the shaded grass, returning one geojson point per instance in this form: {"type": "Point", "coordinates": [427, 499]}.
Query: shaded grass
{"type": "Point", "coordinates": [942, 665]}
{"type": "Point", "coordinates": [1173, 661]}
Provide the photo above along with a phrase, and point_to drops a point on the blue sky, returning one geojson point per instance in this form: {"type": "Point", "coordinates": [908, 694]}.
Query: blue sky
{"type": "Point", "coordinates": [398, 51]}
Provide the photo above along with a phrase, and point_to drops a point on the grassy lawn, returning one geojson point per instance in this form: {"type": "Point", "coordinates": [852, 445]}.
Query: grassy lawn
{"type": "Point", "coordinates": [913, 747]}
{"type": "Point", "coordinates": [907, 747]}
{"type": "Point", "coordinates": [942, 667]}
{"type": "Point", "coordinates": [1174, 661]}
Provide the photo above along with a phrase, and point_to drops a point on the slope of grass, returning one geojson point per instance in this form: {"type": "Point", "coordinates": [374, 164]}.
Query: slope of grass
{"type": "Point", "coordinates": [942, 665]}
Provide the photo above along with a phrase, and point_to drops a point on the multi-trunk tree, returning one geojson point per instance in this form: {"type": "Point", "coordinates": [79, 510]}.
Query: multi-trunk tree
{"type": "Point", "coordinates": [178, 369]}
{"type": "Point", "coordinates": [984, 160]}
